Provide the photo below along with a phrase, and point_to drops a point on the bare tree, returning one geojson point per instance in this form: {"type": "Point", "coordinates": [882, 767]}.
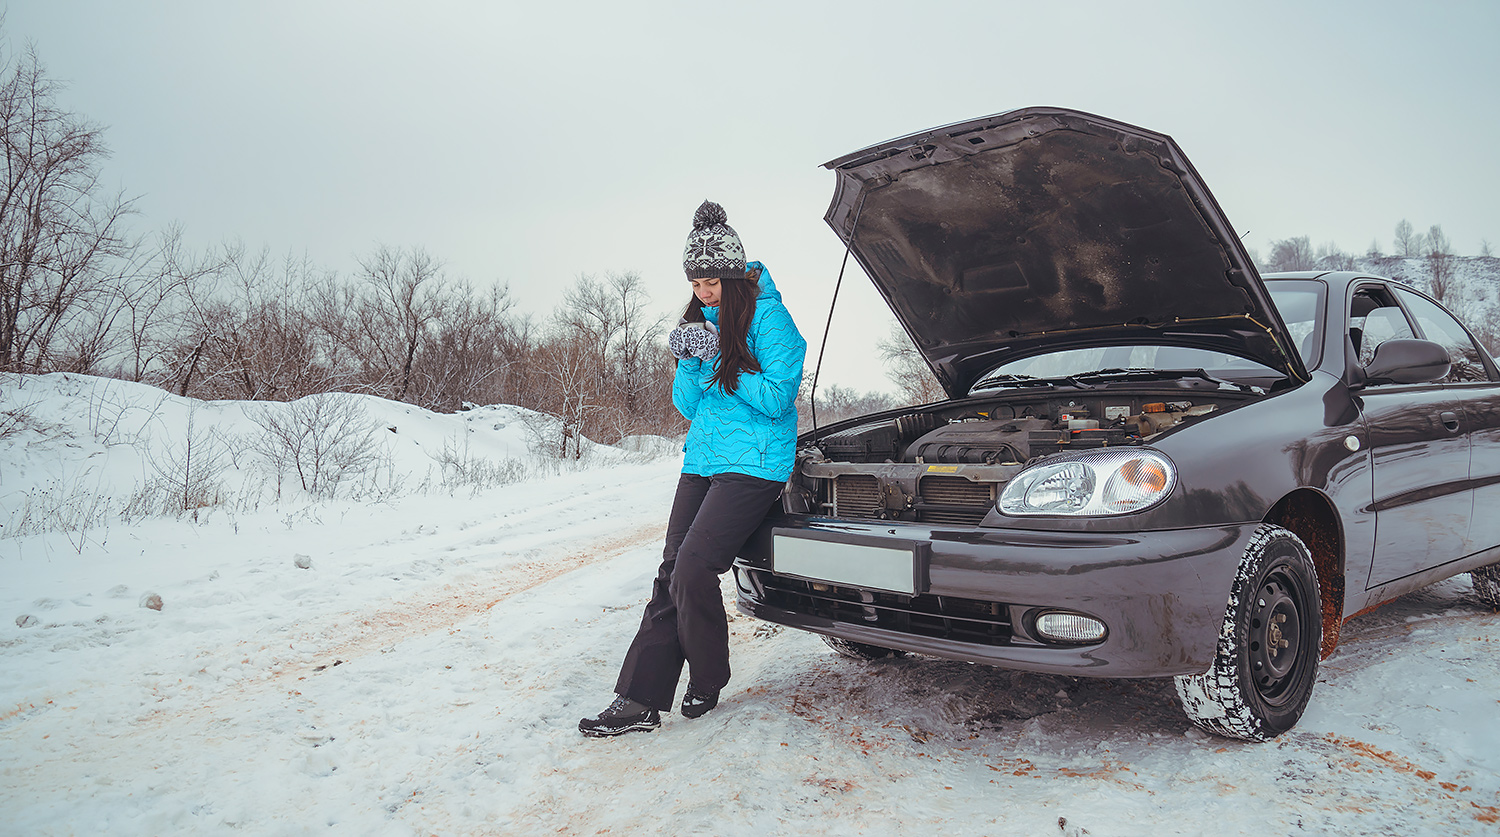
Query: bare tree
{"type": "Point", "coordinates": [404, 293]}
{"type": "Point", "coordinates": [1408, 241]}
{"type": "Point", "coordinates": [469, 352]}
{"type": "Point", "coordinates": [907, 369]}
{"type": "Point", "coordinates": [251, 335]}
{"type": "Point", "coordinates": [1292, 254]}
{"type": "Point", "coordinates": [60, 236]}
{"type": "Point", "coordinates": [626, 358]}
{"type": "Point", "coordinates": [1330, 257]}
{"type": "Point", "coordinates": [1439, 264]}
{"type": "Point", "coordinates": [155, 304]}
{"type": "Point", "coordinates": [1484, 249]}
{"type": "Point", "coordinates": [567, 363]}
{"type": "Point", "coordinates": [1374, 250]}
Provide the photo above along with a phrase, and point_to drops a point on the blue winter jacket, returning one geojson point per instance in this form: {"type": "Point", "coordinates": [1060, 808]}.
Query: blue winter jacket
{"type": "Point", "coordinates": [752, 430]}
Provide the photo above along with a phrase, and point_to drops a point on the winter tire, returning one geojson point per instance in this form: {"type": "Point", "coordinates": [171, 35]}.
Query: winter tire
{"type": "Point", "coordinates": [861, 651]}
{"type": "Point", "coordinates": [1487, 584]}
{"type": "Point", "coordinates": [1267, 659]}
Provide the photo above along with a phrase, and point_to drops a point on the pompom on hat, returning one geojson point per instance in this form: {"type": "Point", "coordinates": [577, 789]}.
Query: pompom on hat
{"type": "Point", "coordinates": [713, 247]}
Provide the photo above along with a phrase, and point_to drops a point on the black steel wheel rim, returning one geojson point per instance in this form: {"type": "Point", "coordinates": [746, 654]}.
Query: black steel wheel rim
{"type": "Point", "coordinates": [1276, 636]}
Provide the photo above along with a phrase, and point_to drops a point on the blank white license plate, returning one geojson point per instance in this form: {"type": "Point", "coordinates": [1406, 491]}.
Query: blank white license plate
{"type": "Point", "coordinates": [882, 568]}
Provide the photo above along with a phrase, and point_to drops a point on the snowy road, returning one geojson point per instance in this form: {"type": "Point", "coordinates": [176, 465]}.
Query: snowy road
{"type": "Point", "coordinates": [426, 674]}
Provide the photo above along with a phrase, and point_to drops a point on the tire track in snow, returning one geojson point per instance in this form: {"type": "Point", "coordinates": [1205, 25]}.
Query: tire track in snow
{"type": "Point", "coordinates": [444, 608]}
{"type": "Point", "coordinates": [451, 604]}
{"type": "Point", "coordinates": [341, 638]}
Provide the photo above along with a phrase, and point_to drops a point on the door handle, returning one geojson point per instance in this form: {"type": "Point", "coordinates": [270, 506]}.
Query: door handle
{"type": "Point", "coordinates": [1450, 421]}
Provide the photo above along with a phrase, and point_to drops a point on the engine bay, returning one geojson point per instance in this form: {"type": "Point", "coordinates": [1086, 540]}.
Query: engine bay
{"type": "Point", "coordinates": [947, 463]}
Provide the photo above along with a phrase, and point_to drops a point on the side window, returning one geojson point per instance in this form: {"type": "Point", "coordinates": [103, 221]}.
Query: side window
{"type": "Point", "coordinates": [1440, 327]}
{"type": "Point", "coordinates": [1375, 318]}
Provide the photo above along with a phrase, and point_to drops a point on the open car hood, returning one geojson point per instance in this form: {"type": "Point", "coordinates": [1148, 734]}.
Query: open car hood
{"type": "Point", "coordinates": [1044, 229]}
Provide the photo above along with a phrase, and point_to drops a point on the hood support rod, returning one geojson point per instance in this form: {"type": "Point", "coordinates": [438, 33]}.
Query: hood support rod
{"type": "Point", "coordinates": [812, 394]}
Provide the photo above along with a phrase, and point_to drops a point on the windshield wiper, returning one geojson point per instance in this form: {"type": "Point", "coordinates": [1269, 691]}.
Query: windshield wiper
{"type": "Point", "coordinates": [1163, 374]}
{"type": "Point", "coordinates": [1081, 380]}
{"type": "Point", "coordinates": [996, 381]}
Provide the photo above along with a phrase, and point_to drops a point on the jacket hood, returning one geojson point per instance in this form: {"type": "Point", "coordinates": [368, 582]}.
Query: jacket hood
{"type": "Point", "coordinates": [1044, 229]}
{"type": "Point", "coordinates": [767, 287]}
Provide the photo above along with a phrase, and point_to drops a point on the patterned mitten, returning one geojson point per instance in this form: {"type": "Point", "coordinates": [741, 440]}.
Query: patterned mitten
{"type": "Point", "coordinates": [700, 340]}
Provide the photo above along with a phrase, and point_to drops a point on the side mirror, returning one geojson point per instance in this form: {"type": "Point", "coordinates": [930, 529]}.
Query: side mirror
{"type": "Point", "coordinates": [1407, 362]}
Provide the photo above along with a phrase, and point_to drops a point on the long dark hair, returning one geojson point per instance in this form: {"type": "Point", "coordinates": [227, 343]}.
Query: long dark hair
{"type": "Point", "coordinates": [736, 310]}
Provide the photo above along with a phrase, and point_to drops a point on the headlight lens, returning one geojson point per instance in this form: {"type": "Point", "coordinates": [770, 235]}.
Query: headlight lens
{"type": "Point", "coordinates": [1102, 482]}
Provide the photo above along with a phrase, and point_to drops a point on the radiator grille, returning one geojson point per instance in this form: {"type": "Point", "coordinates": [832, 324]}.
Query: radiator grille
{"type": "Point", "coordinates": [948, 499]}
{"type": "Point", "coordinates": [956, 491]}
{"type": "Point", "coordinates": [943, 617]}
{"type": "Point", "coordinates": [857, 495]}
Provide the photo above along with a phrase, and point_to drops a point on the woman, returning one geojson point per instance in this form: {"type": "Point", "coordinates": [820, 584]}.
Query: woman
{"type": "Point", "coordinates": [738, 370]}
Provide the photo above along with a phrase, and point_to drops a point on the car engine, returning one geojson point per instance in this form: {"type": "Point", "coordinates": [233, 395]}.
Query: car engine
{"type": "Point", "coordinates": [947, 465]}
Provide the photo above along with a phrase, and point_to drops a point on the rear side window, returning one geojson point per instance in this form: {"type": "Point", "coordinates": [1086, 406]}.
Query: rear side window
{"type": "Point", "coordinates": [1440, 327]}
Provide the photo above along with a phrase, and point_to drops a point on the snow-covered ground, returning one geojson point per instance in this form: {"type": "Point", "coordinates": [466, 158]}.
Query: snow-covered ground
{"type": "Point", "coordinates": [424, 673]}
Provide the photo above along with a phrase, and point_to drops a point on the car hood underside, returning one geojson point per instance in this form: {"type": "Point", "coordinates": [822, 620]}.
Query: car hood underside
{"type": "Point", "coordinates": [1046, 229]}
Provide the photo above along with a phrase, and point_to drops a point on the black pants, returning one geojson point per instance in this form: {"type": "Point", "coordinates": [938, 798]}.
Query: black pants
{"type": "Point", "coordinates": [712, 517]}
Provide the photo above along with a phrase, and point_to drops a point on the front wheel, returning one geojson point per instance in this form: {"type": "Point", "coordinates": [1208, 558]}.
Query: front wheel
{"type": "Point", "coordinates": [1267, 658]}
{"type": "Point", "coordinates": [1487, 584]}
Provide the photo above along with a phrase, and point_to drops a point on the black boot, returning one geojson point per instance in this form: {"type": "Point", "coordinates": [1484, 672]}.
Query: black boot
{"type": "Point", "coordinates": [622, 716]}
{"type": "Point", "coordinates": [696, 702]}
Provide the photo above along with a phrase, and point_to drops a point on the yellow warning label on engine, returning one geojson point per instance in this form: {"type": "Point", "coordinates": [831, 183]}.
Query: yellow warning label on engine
{"type": "Point", "coordinates": [942, 469]}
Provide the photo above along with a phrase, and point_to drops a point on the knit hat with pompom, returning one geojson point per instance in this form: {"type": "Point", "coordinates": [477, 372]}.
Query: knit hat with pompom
{"type": "Point", "coordinates": [713, 247]}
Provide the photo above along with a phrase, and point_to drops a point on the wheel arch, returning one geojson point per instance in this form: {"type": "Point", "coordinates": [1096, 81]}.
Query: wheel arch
{"type": "Point", "coordinates": [1312, 517]}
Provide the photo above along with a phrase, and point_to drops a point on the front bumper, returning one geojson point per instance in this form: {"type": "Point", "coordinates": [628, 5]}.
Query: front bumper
{"type": "Point", "coordinates": [1161, 594]}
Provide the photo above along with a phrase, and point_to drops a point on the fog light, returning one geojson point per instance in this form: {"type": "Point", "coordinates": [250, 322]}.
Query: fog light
{"type": "Point", "coordinates": [1069, 627]}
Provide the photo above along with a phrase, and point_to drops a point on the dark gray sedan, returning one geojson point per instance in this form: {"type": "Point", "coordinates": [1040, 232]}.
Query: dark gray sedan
{"type": "Point", "coordinates": [1152, 461]}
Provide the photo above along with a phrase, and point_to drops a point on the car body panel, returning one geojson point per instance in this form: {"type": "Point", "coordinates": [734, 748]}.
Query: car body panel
{"type": "Point", "coordinates": [1318, 442]}
{"type": "Point", "coordinates": [1483, 415]}
{"type": "Point", "coordinates": [1044, 228]}
{"type": "Point", "coordinates": [1162, 593]}
{"type": "Point", "coordinates": [1423, 499]}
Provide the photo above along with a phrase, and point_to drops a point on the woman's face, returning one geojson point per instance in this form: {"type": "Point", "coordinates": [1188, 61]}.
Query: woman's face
{"type": "Point", "coordinates": [707, 291]}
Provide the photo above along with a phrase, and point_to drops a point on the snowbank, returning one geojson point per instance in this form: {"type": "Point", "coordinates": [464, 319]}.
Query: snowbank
{"type": "Point", "coordinates": [417, 664]}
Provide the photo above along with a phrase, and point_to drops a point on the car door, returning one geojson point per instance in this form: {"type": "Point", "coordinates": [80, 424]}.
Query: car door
{"type": "Point", "coordinates": [1419, 452]}
{"type": "Point", "coordinates": [1474, 382]}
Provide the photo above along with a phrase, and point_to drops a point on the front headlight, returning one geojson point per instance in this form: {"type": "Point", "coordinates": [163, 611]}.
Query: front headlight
{"type": "Point", "coordinates": [1101, 482]}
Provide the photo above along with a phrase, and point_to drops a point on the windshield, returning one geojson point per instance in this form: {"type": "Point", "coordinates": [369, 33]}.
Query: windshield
{"type": "Point", "coordinates": [1298, 301]}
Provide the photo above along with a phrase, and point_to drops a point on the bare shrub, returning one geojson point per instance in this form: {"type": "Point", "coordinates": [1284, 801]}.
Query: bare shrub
{"type": "Point", "coordinates": [460, 468]}
{"type": "Point", "coordinates": [14, 419]}
{"type": "Point", "coordinates": [62, 505]}
{"type": "Point", "coordinates": [188, 470]}
{"type": "Point", "coordinates": [324, 440]}
{"type": "Point", "coordinates": [106, 413]}
{"type": "Point", "coordinates": [18, 415]}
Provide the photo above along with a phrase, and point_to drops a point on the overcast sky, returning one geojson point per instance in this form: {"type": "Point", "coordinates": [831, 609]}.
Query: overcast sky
{"type": "Point", "coordinates": [529, 143]}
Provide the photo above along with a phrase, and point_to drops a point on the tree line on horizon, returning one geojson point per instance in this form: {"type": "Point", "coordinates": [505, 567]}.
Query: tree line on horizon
{"type": "Point", "coordinates": [80, 291]}
{"type": "Point", "coordinates": [1423, 260]}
